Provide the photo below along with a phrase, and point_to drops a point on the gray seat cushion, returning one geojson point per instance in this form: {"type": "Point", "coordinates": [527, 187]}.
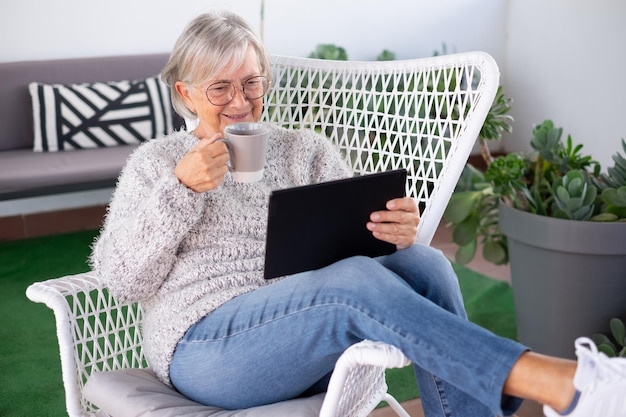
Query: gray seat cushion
{"type": "Point", "coordinates": [25, 169]}
{"type": "Point", "coordinates": [138, 393]}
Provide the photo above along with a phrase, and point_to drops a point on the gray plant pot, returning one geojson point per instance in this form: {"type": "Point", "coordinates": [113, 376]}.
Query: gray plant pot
{"type": "Point", "coordinates": [568, 278]}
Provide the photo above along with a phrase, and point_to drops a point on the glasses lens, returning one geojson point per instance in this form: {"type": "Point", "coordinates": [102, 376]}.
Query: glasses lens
{"type": "Point", "coordinates": [255, 87]}
{"type": "Point", "coordinates": [220, 93]}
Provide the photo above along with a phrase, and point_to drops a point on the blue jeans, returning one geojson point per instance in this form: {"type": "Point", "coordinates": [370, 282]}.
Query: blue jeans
{"type": "Point", "coordinates": [282, 341]}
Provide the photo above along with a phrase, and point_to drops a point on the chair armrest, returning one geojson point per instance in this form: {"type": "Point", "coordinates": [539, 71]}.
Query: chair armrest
{"type": "Point", "coordinates": [54, 291]}
{"type": "Point", "coordinates": [54, 294]}
{"type": "Point", "coordinates": [358, 382]}
{"type": "Point", "coordinates": [95, 332]}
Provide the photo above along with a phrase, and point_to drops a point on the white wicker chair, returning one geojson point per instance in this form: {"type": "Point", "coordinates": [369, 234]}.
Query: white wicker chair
{"type": "Point", "coordinates": [422, 114]}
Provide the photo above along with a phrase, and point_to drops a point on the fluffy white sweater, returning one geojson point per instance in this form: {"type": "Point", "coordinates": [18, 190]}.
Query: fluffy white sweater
{"type": "Point", "coordinates": [182, 254]}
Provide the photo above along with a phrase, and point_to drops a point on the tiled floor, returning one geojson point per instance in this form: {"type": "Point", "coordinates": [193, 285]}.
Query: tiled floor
{"type": "Point", "coordinates": [443, 241]}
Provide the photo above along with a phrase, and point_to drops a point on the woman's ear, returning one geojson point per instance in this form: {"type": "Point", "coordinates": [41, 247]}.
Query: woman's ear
{"type": "Point", "coordinates": [183, 91]}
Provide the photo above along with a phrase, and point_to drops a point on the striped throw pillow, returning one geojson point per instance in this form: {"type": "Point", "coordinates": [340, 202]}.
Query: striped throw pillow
{"type": "Point", "coordinates": [92, 115]}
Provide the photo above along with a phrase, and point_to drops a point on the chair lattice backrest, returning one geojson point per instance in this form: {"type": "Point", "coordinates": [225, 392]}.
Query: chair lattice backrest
{"type": "Point", "coordinates": [423, 115]}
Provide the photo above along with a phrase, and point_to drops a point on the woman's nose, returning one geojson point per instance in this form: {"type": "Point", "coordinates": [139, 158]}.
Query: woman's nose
{"type": "Point", "coordinates": [239, 95]}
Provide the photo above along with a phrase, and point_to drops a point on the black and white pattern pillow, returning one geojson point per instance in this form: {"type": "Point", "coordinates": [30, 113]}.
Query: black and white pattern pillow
{"type": "Point", "coordinates": [92, 115]}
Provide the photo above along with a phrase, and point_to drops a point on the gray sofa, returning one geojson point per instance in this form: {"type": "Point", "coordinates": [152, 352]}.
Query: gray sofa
{"type": "Point", "coordinates": [26, 173]}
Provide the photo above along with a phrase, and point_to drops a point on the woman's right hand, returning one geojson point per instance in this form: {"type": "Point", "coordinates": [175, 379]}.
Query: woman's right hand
{"type": "Point", "coordinates": [203, 168]}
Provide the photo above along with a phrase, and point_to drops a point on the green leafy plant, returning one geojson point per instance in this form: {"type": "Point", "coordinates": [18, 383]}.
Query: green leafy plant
{"type": "Point", "coordinates": [555, 179]}
{"type": "Point", "coordinates": [386, 55]}
{"type": "Point", "coordinates": [498, 120]}
{"type": "Point", "coordinates": [614, 344]}
{"type": "Point", "coordinates": [329, 51]}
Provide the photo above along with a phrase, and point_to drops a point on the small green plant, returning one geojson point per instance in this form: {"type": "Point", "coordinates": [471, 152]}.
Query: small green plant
{"type": "Point", "coordinates": [386, 55]}
{"type": "Point", "coordinates": [329, 51]}
{"type": "Point", "coordinates": [613, 345]}
{"type": "Point", "coordinates": [498, 120]}
{"type": "Point", "coordinates": [338, 53]}
{"type": "Point", "coordinates": [574, 198]}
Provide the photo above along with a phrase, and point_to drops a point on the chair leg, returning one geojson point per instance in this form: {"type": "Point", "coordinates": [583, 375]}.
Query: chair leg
{"type": "Point", "coordinates": [395, 405]}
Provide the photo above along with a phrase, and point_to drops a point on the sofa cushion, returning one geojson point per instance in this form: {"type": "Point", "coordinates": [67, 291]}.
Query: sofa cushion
{"type": "Point", "coordinates": [137, 392]}
{"type": "Point", "coordinates": [23, 169]}
{"type": "Point", "coordinates": [16, 109]}
{"type": "Point", "coordinates": [99, 114]}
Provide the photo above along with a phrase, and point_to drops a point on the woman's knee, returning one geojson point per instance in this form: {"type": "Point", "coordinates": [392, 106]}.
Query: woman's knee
{"type": "Point", "coordinates": [360, 275]}
{"type": "Point", "coordinates": [421, 263]}
{"type": "Point", "coordinates": [429, 273]}
{"type": "Point", "coordinates": [422, 256]}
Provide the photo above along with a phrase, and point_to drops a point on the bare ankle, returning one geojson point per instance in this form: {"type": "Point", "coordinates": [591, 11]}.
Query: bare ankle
{"type": "Point", "coordinates": [563, 401]}
{"type": "Point", "coordinates": [547, 380]}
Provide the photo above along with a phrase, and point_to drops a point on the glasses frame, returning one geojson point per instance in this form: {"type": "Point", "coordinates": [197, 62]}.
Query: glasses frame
{"type": "Point", "coordinates": [266, 87]}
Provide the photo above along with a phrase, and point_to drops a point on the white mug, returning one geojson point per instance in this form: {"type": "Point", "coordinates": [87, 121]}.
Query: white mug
{"type": "Point", "coordinates": [247, 145]}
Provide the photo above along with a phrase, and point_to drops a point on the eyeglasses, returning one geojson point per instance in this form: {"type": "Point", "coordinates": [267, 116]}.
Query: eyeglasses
{"type": "Point", "coordinates": [223, 92]}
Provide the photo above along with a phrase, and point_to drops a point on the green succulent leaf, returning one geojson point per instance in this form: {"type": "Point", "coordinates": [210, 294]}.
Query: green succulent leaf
{"type": "Point", "coordinates": [465, 254]}
{"type": "Point", "coordinates": [562, 194]}
{"type": "Point", "coordinates": [608, 350]}
{"type": "Point", "coordinates": [617, 345]}
{"type": "Point", "coordinates": [599, 338]}
{"type": "Point", "coordinates": [574, 198]}
{"type": "Point", "coordinates": [616, 175]}
{"type": "Point", "coordinates": [615, 201]}
{"type": "Point", "coordinates": [614, 197]}
{"type": "Point", "coordinates": [497, 120]}
{"type": "Point", "coordinates": [495, 251]}
{"type": "Point", "coordinates": [618, 330]}
{"type": "Point", "coordinates": [589, 195]}
{"type": "Point", "coordinates": [467, 231]}
{"type": "Point", "coordinates": [461, 206]}
{"type": "Point", "coordinates": [619, 212]}
{"type": "Point", "coordinates": [604, 217]}
{"type": "Point", "coordinates": [574, 203]}
{"type": "Point", "coordinates": [575, 186]}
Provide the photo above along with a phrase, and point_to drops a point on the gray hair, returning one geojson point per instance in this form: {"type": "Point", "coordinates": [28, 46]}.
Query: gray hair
{"type": "Point", "coordinates": [210, 43]}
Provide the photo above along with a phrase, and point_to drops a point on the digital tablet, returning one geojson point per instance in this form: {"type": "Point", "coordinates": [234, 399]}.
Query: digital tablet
{"type": "Point", "coordinates": [313, 226]}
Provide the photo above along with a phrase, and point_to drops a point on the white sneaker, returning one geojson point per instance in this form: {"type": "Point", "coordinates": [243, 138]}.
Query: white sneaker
{"type": "Point", "coordinates": [601, 381]}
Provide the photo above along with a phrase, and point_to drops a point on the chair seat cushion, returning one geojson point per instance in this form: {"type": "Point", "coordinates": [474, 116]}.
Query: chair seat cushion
{"type": "Point", "coordinates": [137, 392]}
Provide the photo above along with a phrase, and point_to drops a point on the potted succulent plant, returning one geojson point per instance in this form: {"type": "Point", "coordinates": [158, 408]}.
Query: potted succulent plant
{"type": "Point", "coordinates": [561, 224]}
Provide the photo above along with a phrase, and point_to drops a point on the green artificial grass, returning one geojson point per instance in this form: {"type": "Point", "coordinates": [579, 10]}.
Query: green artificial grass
{"type": "Point", "coordinates": [29, 354]}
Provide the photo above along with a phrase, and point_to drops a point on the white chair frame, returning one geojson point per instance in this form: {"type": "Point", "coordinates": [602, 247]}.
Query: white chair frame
{"type": "Point", "coordinates": [422, 114]}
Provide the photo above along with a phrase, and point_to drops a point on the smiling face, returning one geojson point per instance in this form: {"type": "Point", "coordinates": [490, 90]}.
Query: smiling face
{"type": "Point", "coordinates": [212, 118]}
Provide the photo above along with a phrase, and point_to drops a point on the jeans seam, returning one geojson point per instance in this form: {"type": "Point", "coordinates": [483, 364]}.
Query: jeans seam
{"type": "Point", "coordinates": [442, 397]}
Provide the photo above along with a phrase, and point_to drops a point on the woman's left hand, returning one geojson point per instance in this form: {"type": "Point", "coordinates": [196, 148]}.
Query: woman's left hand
{"type": "Point", "coordinates": [397, 224]}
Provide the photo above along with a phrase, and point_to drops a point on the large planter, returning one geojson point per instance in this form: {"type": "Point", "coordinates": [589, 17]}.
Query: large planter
{"type": "Point", "coordinates": [568, 278]}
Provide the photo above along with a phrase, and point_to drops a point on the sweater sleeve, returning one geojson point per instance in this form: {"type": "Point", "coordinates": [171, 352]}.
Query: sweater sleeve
{"type": "Point", "coordinates": [149, 215]}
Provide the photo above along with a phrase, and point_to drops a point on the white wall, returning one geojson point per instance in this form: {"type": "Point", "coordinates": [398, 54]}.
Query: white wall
{"type": "Point", "coordinates": [42, 29]}
{"type": "Point", "coordinates": [566, 61]}
{"type": "Point", "coordinates": [545, 48]}
{"type": "Point", "coordinates": [410, 28]}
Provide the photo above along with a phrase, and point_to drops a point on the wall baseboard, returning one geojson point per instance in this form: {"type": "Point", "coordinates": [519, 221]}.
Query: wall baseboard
{"type": "Point", "coordinates": [51, 223]}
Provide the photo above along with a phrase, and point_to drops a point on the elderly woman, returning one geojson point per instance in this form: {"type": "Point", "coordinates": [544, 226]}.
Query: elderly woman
{"type": "Point", "coordinates": [187, 241]}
